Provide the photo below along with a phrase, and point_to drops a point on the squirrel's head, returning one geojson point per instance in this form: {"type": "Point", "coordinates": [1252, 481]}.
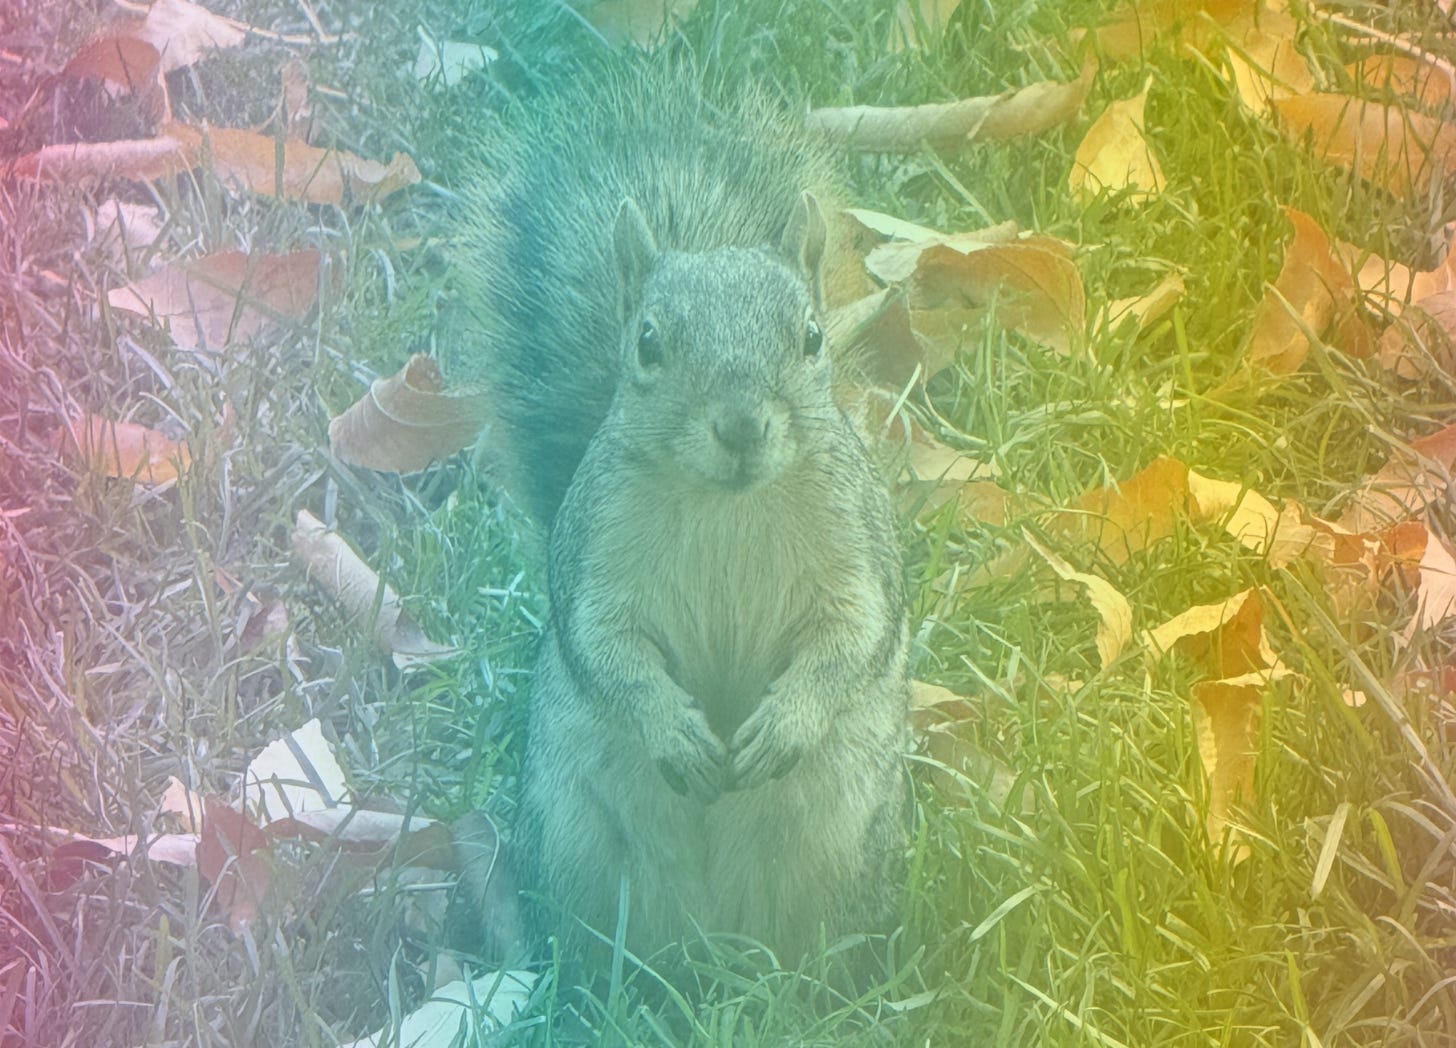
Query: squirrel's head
{"type": "Point", "coordinates": [725, 374]}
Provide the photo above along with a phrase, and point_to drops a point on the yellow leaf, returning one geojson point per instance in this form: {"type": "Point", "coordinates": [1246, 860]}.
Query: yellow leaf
{"type": "Point", "coordinates": [1226, 720]}
{"type": "Point", "coordinates": [1114, 155]}
{"type": "Point", "coordinates": [1114, 613]}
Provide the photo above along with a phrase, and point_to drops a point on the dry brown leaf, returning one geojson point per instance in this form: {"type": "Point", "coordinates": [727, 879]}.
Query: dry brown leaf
{"type": "Point", "coordinates": [225, 298]}
{"type": "Point", "coordinates": [947, 125]}
{"type": "Point", "coordinates": [1036, 290]}
{"type": "Point", "coordinates": [1280, 535]}
{"type": "Point", "coordinates": [1114, 613]}
{"type": "Point", "coordinates": [896, 260]}
{"type": "Point", "coordinates": [407, 421]}
{"type": "Point", "coordinates": [1429, 84]}
{"type": "Point", "coordinates": [641, 23]}
{"type": "Point", "coordinates": [1137, 24]}
{"type": "Point", "coordinates": [1396, 148]}
{"type": "Point", "coordinates": [1422, 341]}
{"type": "Point", "coordinates": [332, 562]}
{"type": "Point", "coordinates": [126, 450]}
{"type": "Point", "coordinates": [183, 33]}
{"type": "Point", "coordinates": [1314, 290]}
{"type": "Point", "coordinates": [1413, 479]}
{"type": "Point", "coordinates": [1436, 594]}
{"type": "Point", "coordinates": [234, 854]}
{"type": "Point", "coordinates": [145, 160]}
{"type": "Point", "coordinates": [129, 66]}
{"type": "Point", "coordinates": [876, 334]}
{"type": "Point", "coordinates": [1114, 156]}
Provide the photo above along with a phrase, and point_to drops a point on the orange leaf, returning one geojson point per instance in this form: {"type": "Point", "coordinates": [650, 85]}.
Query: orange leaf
{"type": "Point", "coordinates": [1130, 516]}
{"type": "Point", "coordinates": [1312, 291]}
{"type": "Point", "coordinates": [1392, 147]}
{"type": "Point", "coordinates": [126, 450]}
{"type": "Point", "coordinates": [292, 169]}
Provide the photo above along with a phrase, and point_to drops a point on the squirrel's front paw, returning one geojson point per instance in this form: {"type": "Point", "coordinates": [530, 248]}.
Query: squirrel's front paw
{"type": "Point", "coordinates": [689, 755]}
{"type": "Point", "coordinates": [764, 747]}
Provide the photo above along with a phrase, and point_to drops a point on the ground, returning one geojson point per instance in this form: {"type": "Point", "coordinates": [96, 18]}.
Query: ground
{"type": "Point", "coordinates": [1068, 888]}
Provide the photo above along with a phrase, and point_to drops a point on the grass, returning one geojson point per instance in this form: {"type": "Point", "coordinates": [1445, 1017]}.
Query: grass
{"type": "Point", "coordinates": [1081, 906]}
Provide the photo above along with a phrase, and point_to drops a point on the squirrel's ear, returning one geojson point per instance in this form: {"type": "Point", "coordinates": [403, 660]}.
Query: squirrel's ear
{"type": "Point", "coordinates": [635, 248]}
{"type": "Point", "coordinates": [803, 239]}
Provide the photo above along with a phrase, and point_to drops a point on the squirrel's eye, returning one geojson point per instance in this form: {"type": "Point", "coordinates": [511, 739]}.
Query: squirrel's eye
{"type": "Point", "coordinates": [649, 346]}
{"type": "Point", "coordinates": [813, 340]}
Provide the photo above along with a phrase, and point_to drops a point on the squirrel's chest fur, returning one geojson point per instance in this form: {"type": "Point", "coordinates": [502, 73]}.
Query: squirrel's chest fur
{"type": "Point", "coordinates": [724, 592]}
{"type": "Point", "coordinates": [724, 584]}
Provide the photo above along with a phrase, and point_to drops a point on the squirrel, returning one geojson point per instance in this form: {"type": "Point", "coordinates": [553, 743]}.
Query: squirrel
{"type": "Point", "coordinates": [718, 717]}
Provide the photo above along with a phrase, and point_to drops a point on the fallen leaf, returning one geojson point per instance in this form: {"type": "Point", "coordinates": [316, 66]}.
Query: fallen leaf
{"type": "Point", "coordinates": [1281, 535]}
{"type": "Point", "coordinates": [1421, 342]}
{"type": "Point", "coordinates": [1130, 30]}
{"type": "Point", "coordinates": [184, 33]}
{"type": "Point", "coordinates": [1413, 479]}
{"type": "Point", "coordinates": [1428, 82]}
{"type": "Point", "coordinates": [875, 334]}
{"type": "Point", "coordinates": [335, 566]}
{"type": "Point", "coordinates": [1121, 519]}
{"type": "Point", "coordinates": [1401, 150]}
{"type": "Point", "coordinates": [489, 1002]}
{"type": "Point", "coordinates": [292, 775]}
{"type": "Point", "coordinates": [407, 421]}
{"type": "Point", "coordinates": [921, 22]}
{"type": "Point", "coordinates": [126, 450]}
{"type": "Point", "coordinates": [1034, 287]}
{"type": "Point", "coordinates": [642, 23]}
{"type": "Point", "coordinates": [1258, 46]}
{"type": "Point", "coordinates": [136, 226]}
{"type": "Point", "coordinates": [446, 63]}
{"type": "Point", "coordinates": [1114, 613]}
{"type": "Point", "coordinates": [1114, 156]}
{"type": "Point", "coordinates": [224, 298]}
{"type": "Point", "coordinates": [293, 169]}
{"type": "Point", "coordinates": [233, 853]}
{"type": "Point", "coordinates": [1226, 722]}
{"type": "Point", "coordinates": [186, 804]}
{"type": "Point", "coordinates": [1436, 596]}
{"type": "Point", "coordinates": [1226, 639]}
{"type": "Point", "coordinates": [129, 66]}
{"type": "Point", "coordinates": [946, 125]}
{"type": "Point", "coordinates": [1314, 290]}
{"type": "Point", "coordinates": [1148, 308]}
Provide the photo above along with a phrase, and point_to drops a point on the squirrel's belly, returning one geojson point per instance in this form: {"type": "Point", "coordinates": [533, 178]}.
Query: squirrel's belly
{"type": "Point", "coordinates": [728, 612]}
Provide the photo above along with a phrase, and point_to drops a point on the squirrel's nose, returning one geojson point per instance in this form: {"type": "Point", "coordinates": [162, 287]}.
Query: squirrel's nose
{"type": "Point", "coordinates": [740, 430]}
